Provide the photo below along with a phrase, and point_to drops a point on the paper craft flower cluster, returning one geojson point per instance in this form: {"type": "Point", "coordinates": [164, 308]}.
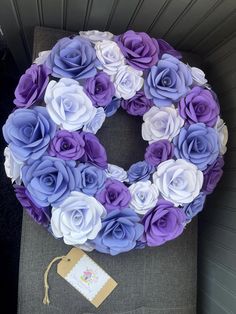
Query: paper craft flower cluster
{"type": "Point", "coordinates": [59, 168]}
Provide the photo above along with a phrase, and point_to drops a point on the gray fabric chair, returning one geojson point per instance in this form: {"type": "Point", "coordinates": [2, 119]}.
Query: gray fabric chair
{"type": "Point", "coordinates": [158, 280]}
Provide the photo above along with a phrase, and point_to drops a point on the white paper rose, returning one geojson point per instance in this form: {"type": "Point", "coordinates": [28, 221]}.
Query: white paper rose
{"type": "Point", "coordinates": [198, 76]}
{"type": "Point", "coordinates": [95, 35]}
{"type": "Point", "coordinates": [116, 172]}
{"type": "Point", "coordinates": [127, 82]}
{"type": "Point", "coordinates": [144, 196]}
{"type": "Point", "coordinates": [42, 57]}
{"type": "Point", "coordinates": [12, 166]}
{"type": "Point", "coordinates": [77, 219]}
{"type": "Point", "coordinates": [161, 123]}
{"type": "Point", "coordinates": [96, 123]}
{"type": "Point", "coordinates": [110, 56]}
{"type": "Point", "coordinates": [68, 105]}
{"type": "Point", "coordinates": [178, 181]}
{"type": "Point", "coordinates": [222, 131]}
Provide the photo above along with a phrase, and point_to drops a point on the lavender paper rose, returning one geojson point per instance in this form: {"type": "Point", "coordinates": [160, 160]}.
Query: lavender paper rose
{"type": "Point", "coordinates": [91, 178]}
{"type": "Point", "coordinates": [67, 145]}
{"type": "Point", "coordinates": [32, 85]}
{"type": "Point", "coordinates": [140, 171]}
{"type": "Point", "coordinates": [138, 105]}
{"type": "Point", "coordinates": [114, 195]}
{"type": "Point", "coordinates": [167, 81]}
{"type": "Point", "coordinates": [28, 132]}
{"type": "Point", "coordinates": [198, 144]}
{"type": "Point", "coordinates": [49, 180]}
{"type": "Point", "coordinates": [41, 215]}
{"type": "Point", "coordinates": [95, 153]}
{"type": "Point", "coordinates": [158, 152]}
{"type": "Point", "coordinates": [195, 207]}
{"type": "Point", "coordinates": [212, 175]}
{"type": "Point", "coordinates": [72, 57]}
{"type": "Point", "coordinates": [163, 223]}
{"type": "Point", "coordinates": [100, 89]}
{"type": "Point", "coordinates": [199, 105]}
{"type": "Point", "coordinates": [120, 232]}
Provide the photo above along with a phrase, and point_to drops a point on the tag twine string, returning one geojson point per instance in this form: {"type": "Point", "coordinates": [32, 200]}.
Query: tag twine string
{"type": "Point", "coordinates": [46, 286]}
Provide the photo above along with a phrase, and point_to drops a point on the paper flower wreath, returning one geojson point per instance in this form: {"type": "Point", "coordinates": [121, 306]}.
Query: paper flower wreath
{"type": "Point", "coordinates": [59, 167]}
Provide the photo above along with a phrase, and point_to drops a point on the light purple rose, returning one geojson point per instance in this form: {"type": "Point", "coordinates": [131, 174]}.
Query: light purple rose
{"type": "Point", "coordinates": [100, 89]}
{"type": "Point", "coordinates": [199, 105]}
{"type": "Point", "coordinates": [167, 81]}
{"type": "Point", "coordinates": [158, 152]}
{"type": "Point", "coordinates": [140, 50]}
{"type": "Point", "coordinates": [212, 175]}
{"type": "Point", "coordinates": [163, 223]}
{"type": "Point", "coordinates": [41, 215]}
{"type": "Point", "coordinates": [164, 47]}
{"type": "Point", "coordinates": [197, 144]}
{"type": "Point", "coordinates": [95, 153]}
{"type": "Point", "coordinates": [72, 57]}
{"type": "Point", "coordinates": [28, 132]}
{"type": "Point", "coordinates": [50, 180]}
{"type": "Point", "coordinates": [140, 171]}
{"type": "Point", "coordinates": [112, 108]}
{"type": "Point", "coordinates": [91, 178]}
{"type": "Point", "coordinates": [67, 145]}
{"type": "Point", "coordinates": [31, 85]}
{"type": "Point", "coordinates": [114, 195]}
{"type": "Point", "coordinates": [195, 207]}
{"type": "Point", "coordinates": [120, 232]}
{"type": "Point", "coordinates": [138, 105]}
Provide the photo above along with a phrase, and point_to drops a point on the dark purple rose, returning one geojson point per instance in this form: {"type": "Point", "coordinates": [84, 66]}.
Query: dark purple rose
{"type": "Point", "coordinates": [121, 231]}
{"type": "Point", "coordinates": [164, 47]}
{"type": "Point", "coordinates": [199, 105]}
{"type": "Point", "coordinates": [140, 171]}
{"type": "Point", "coordinates": [140, 50]}
{"type": "Point", "coordinates": [95, 153]}
{"type": "Point", "coordinates": [137, 105]}
{"type": "Point", "coordinates": [67, 145]}
{"type": "Point", "coordinates": [32, 85]}
{"type": "Point", "coordinates": [163, 223]}
{"type": "Point", "coordinates": [72, 57]}
{"type": "Point", "coordinates": [100, 89]}
{"type": "Point", "coordinates": [212, 176]}
{"type": "Point", "coordinates": [39, 214]}
{"type": "Point", "coordinates": [158, 152]}
{"type": "Point", "coordinates": [114, 195]}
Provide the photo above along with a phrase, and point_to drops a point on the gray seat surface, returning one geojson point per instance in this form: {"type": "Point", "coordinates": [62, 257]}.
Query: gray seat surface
{"type": "Point", "coordinates": [150, 281]}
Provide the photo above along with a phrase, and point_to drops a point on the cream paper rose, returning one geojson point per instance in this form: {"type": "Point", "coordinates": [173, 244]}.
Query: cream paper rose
{"type": "Point", "coordinates": [95, 36]}
{"type": "Point", "coordinates": [12, 166]}
{"type": "Point", "coordinates": [222, 131]}
{"type": "Point", "coordinates": [116, 172]}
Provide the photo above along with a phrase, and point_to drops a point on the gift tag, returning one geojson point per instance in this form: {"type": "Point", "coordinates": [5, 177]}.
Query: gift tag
{"type": "Point", "coordinates": [86, 276]}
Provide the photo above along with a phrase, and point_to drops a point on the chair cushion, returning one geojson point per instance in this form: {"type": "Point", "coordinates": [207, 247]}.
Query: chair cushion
{"type": "Point", "coordinates": [150, 281]}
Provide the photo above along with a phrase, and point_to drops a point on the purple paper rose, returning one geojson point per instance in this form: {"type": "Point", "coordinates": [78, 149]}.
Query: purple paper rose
{"type": "Point", "coordinates": [114, 195]}
{"type": "Point", "coordinates": [167, 81]}
{"type": "Point", "coordinates": [137, 105]}
{"type": "Point", "coordinates": [120, 232]}
{"type": "Point", "coordinates": [91, 178]}
{"type": "Point", "coordinates": [100, 89]}
{"type": "Point", "coordinates": [140, 171]}
{"type": "Point", "coordinates": [32, 85]}
{"type": "Point", "coordinates": [197, 144]}
{"type": "Point", "coordinates": [95, 153]}
{"type": "Point", "coordinates": [164, 47]}
{"type": "Point", "coordinates": [50, 180]}
{"type": "Point", "coordinates": [41, 215]}
{"type": "Point", "coordinates": [195, 207]}
{"type": "Point", "coordinates": [67, 145]}
{"type": "Point", "coordinates": [163, 223]}
{"type": "Point", "coordinates": [140, 50]}
{"type": "Point", "coordinates": [72, 57]}
{"type": "Point", "coordinates": [158, 152]}
{"type": "Point", "coordinates": [199, 105]}
{"type": "Point", "coordinates": [212, 175]}
{"type": "Point", "coordinates": [28, 132]}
